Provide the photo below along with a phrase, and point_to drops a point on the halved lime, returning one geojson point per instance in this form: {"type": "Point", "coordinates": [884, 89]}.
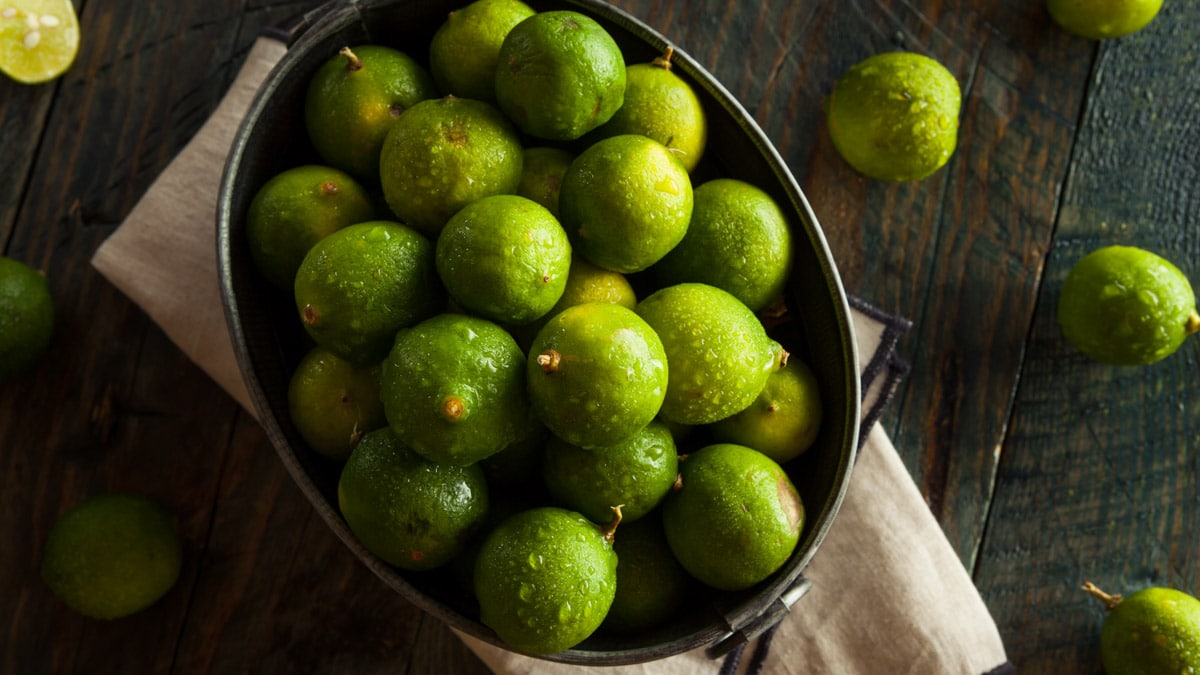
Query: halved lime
{"type": "Point", "coordinates": [38, 39]}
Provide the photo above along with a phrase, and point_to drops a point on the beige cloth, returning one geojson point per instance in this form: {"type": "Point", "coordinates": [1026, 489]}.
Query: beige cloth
{"type": "Point", "coordinates": [888, 595]}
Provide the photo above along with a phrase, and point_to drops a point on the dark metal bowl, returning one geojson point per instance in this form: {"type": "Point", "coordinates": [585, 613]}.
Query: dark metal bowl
{"type": "Point", "coordinates": [269, 341]}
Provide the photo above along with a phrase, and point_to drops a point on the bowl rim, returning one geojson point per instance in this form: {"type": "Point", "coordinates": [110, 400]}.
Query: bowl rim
{"type": "Point", "coordinates": [333, 17]}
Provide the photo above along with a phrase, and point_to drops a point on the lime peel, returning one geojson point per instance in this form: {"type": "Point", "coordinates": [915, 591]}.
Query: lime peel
{"type": "Point", "coordinates": [38, 39]}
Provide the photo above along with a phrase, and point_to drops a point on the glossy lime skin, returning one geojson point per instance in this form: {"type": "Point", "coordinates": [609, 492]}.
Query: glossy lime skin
{"type": "Point", "coordinates": [737, 240]}
{"type": "Point", "coordinates": [1123, 305]}
{"type": "Point", "coordinates": [718, 353]}
{"type": "Point", "coordinates": [560, 75]}
{"type": "Point", "coordinates": [625, 202]}
{"type": "Point", "coordinates": [294, 210]}
{"type": "Point", "coordinates": [1153, 631]}
{"type": "Point", "coordinates": [361, 284]}
{"type": "Point", "coordinates": [351, 105]}
{"type": "Point", "coordinates": [735, 519]}
{"type": "Point", "coordinates": [444, 154]}
{"type": "Point", "coordinates": [1103, 19]}
{"type": "Point", "coordinates": [894, 116]}
{"type": "Point", "coordinates": [453, 389]}
{"type": "Point", "coordinates": [651, 584]}
{"type": "Point", "coordinates": [505, 258]}
{"type": "Point", "coordinates": [545, 579]}
{"type": "Point", "coordinates": [542, 173]}
{"type": "Point", "coordinates": [597, 374]}
{"type": "Point", "coordinates": [636, 474]}
{"type": "Point", "coordinates": [785, 419]}
{"type": "Point", "coordinates": [26, 317]}
{"type": "Point", "coordinates": [409, 511]}
{"type": "Point", "coordinates": [465, 50]}
{"type": "Point", "coordinates": [112, 555]}
{"type": "Point", "coordinates": [333, 402]}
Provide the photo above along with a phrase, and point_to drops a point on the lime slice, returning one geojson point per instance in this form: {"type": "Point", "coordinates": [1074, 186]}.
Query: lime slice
{"type": "Point", "coordinates": [38, 39]}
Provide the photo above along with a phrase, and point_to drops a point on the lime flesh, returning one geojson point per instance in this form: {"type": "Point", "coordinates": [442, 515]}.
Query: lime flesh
{"type": "Point", "coordinates": [38, 39]}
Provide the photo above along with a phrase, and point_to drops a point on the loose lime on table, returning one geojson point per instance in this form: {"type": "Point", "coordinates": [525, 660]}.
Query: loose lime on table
{"type": "Point", "coordinates": [112, 555]}
{"type": "Point", "coordinates": [1103, 19]}
{"type": "Point", "coordinates": [38, 39]}
{"type": "Point", "coordinates": [894, 116]}
{"type": "Point", "coordinates": [1126, 306]}
{"type": "Point", "coordinates": [26, 317]}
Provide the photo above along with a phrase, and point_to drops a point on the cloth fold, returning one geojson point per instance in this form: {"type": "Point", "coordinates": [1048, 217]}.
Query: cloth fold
{"type": "Point", "coordinates": [889, 595]}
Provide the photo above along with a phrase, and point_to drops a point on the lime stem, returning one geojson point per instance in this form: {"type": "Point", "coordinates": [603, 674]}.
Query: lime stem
{"type": "Point", "coordinates": [453, 408]}
{"type": "Point", "coordinates": [549, 360]}
{"type": "Point", "coordinates": [610, 531]}
{"type": "Point", "coordinates": [1192, 324]}
{"type": "Point", "coordinates": [353, 63]}
{"type": "Point", "coordinates": [1110, 601]}
{"type": "Point", "coordinates": [664, 61]}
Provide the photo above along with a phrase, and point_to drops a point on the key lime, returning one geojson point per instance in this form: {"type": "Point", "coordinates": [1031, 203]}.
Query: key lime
{"type": "Point", "coordinates": [333, 402]}
{"type": "Point", "coordinates": [465, 49]}
{"type": "Point", "coordinates": [783, 422]}
{"type": "Point", "coordinates": [26, 317]}
{"type": "Point", "coordinates": [651, 584]}
{"type": "Point", "coordinates": [1126, 306]}
{"type": "Point", "coordinates": [1103, 19]}
{"type": "Point", "coordinates": [38, 39]}
{"type": "Point", "coordinates": [894, 116]}
{"type": "Point", "coordinates": [541, 175]}
{"type": "Point", "coordinates": [112, 555]}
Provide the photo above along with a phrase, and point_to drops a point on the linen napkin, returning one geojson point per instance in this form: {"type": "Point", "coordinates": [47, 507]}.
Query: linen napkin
{"type": "Point", "coordinates": [888, 593]}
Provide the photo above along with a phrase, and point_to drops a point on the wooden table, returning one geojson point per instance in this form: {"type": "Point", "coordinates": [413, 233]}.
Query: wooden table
{"type": "Point", "coordinates": [1044, 469]}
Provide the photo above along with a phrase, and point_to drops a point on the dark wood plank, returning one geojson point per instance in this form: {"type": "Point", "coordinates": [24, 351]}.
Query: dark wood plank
{"type": "Point", "coordinates": [1099, 476]}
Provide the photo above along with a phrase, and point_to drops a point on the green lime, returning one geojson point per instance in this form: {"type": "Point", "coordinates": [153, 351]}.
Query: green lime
{"type": "Point", "coordinates": [333, 402]}
{"type": "Point", "coordinates": [26, 317]}
{"type": "Point", "coordinates": [361, 284]}
{"type": "Point", "coordinates": [541, 176]}
{"type": "Point", "coordinates": [545, 578]}
{"type": "Point", "coordinates": [635, 474]}
{"type": "Point", "coordinates": [465, 50]}
{"type": "Point", "coordinates": [736, 517]}
{"type": "Point", "coordinates": [38, 39]}
{"type": "Point", "coordinates": [784, 420]}
{"type": "Point", "coordinates": [112, 555]}
{"type": "Point", "coordinates": [1126, 306]}
{"type": "Point", "coordinates": [737, 240]}
{"type": "Point", "coordinates": [661, 105]}
{"type": "Point", "coordinates": [1153, 631]}
{"type": "Point", "coordinates": [651, 584]}
{"type": "Point", "coordinates": [560, 75]}
{"type": "Point", "coordinates": [453, 389]}
{"type": "Point", "coordinates": [894, 116]}
{"type": "Point", "coordinates": [718, 354]}
{"type": "Point", "coordinates": [596, 374]}
{"type": "Point", "coordinates": [585, 283]}
{"type": "Point", "coordinates": [294, 210]}
{"type": "Point", "coordinates": [444, 154]}
{"type": "Point", "coordinates": [505, 258]}
{"type": "Point", "coordinates": [355, 98]}
{"type": "Point", "coordinates": [1103, 19]}
{"type": "Point", "coordinates": [626, 202]}
{"type": "Point", "coordinates": [411, 512]}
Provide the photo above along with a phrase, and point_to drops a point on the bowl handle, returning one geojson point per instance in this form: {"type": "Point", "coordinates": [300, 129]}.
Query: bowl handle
{"type": "Point", "coordinates": [759, 623]}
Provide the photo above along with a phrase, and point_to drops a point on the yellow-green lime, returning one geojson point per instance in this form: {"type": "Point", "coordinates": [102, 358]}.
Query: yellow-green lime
{"type": "Point", "coordinates": [718, 353]}
{"type": "Point", "coordinates": [112, 555]}
{"type": "Point", "coordinates": [1103, 19]}
{"type": "Point", "coordinates": [560, 75]}
{"type": "Point", "coordinates": [361, 284]}
{"type": "Point", "coordinates": [737, 240]}
{"type": "Point", "coordinates": [354, 98]}
{"type": "Point", "coordinates": [465, 50]}
{"type": "Point", "coordinates": [333, 402]}
{"type": "Point", "coordinates": [444, 154]}
{"type": "Point", "coordinates": [505, 258]}
{"type": "Point", "coordinates": [585, 283]}
{"type": "Point", "coordinates": [453, 389]}
{"type": "Point", "coordinates": [39, 39]}
{"type": "Point", "coordinates": [597, 374]}
{"type": "Point", "coordinates": [661, 105]}
{"type": "Point", "coordinates": [736, 517]}
{"type": "Point", "coordinates": [1126, 306]}
{"type": "Point", "coordinates": [294, 210]}
{"type": "Point", "coordinates": [545, 578]}
{"type": "Point", "coordinates": [626, 202]}
{"type": "Point", "coordinates": [783, 422]}
{"type": "Point", "coordinates": [409, 511]}
{"type": "Point", "coordinates": [894, 116]}
{"type": "Point", "coordinates": [26, 317]}
{"type": "Point", "coordinates": [1152, 631]}
{"type": "Point", "coordinates": [542, 173]}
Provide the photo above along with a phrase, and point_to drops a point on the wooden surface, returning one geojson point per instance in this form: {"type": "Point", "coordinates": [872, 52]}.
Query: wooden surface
{"type": "Point", "coordinates": [1044, 469]}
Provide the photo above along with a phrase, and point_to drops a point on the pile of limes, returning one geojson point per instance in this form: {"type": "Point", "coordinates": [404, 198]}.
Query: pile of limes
{"type": "Point", "coordinates": [528, 325]}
